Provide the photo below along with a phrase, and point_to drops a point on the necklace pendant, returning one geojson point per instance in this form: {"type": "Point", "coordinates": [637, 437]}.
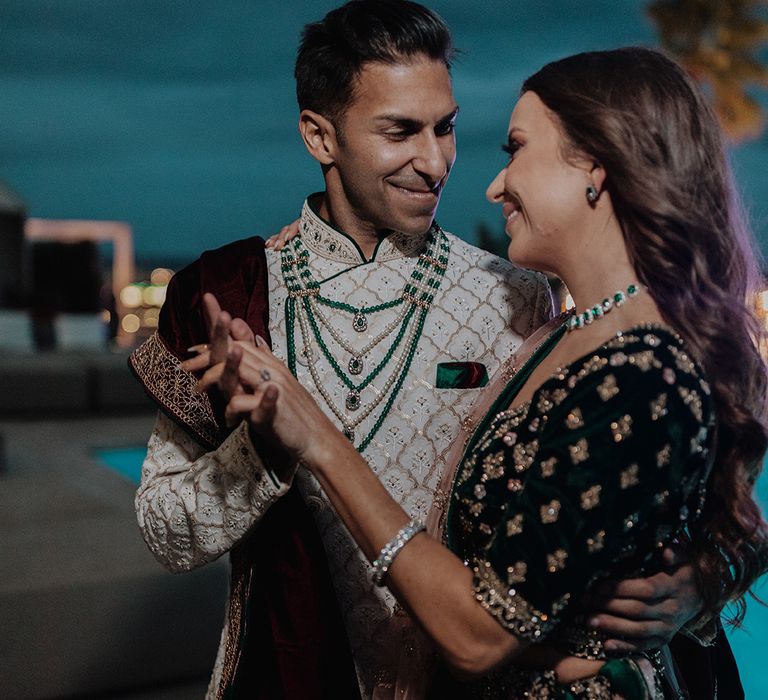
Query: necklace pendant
{"type": "Point", "coordinates": [353, 400]}
{"type": "Point", "coordinates": [360, 322]}
{"type": "Point", "coordinates": [349, 434]}
{"type": "Point", "coordinates": [355, 365]}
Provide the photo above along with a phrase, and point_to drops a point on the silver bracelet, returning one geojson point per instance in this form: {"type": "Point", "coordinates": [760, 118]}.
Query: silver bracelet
{"type": "Point", "coordinates": [390, 550]}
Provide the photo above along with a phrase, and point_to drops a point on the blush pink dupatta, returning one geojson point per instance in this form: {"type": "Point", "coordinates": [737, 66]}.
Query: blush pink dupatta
{"type": "Point", "coordinates": [417, 654]}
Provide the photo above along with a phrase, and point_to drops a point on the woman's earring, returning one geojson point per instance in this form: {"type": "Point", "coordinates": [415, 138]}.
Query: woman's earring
{"type": "Point", "coordinates": [592, 193]}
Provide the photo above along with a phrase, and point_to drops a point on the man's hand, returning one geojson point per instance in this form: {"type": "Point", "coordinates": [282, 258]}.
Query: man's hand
{"type": "Point", "coordinates": [645, 613]}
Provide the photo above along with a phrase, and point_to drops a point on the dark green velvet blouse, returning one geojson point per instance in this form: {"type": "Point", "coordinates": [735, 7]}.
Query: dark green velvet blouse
{"type": "Point", "coordinates": [588, 480]}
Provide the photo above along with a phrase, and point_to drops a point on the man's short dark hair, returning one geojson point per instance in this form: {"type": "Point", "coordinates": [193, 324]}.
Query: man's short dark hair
{"type": "Point", "coordinates": [334, 50]}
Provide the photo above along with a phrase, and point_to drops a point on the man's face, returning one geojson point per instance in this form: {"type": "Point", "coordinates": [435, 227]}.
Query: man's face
{"type": "Point", "coordinates": [397, 146]}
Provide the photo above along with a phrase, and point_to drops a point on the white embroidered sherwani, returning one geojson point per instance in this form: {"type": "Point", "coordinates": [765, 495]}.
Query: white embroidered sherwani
{"type": "Point", "coordinates": [193, 505]}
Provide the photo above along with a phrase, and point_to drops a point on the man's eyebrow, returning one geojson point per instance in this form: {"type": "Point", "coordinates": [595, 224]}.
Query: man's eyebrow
{"type": "Point", "coordinates": [450, 116]}
{"type": "Point", "coordinates": [410, 124]}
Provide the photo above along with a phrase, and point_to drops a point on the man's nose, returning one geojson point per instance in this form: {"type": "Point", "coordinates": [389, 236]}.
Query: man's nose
{"type": "Point", "coordinates": [431, 160]}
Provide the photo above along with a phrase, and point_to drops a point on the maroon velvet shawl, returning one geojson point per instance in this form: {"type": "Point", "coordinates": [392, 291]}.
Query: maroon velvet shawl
{"type": "Point", "coordinates": [286, 635]}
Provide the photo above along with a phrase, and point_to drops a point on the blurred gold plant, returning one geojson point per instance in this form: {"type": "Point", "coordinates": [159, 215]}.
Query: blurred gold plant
{"type": "Point", "coordinates": [718, 41]}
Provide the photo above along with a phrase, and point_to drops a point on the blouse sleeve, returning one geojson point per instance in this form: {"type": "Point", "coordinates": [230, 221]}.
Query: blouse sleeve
{"type": "Point", "coordinates": [598, 476]}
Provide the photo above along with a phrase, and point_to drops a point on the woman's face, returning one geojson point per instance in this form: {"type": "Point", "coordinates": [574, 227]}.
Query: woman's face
{"type": "Point", "coordinates": [543, 196]}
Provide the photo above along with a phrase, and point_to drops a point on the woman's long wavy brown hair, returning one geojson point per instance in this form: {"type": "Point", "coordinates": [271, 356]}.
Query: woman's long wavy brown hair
{"type": "Point", "coordinates": [636, 112]}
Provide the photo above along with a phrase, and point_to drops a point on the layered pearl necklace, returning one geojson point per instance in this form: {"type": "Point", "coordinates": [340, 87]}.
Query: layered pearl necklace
{"type": "Point", "coordinates": [596, 312]}
{"type": "Point", "coordinates": [305, 304]}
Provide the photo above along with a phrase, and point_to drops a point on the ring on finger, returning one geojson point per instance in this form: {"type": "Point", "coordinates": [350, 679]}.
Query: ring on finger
{"type": "Point", "coordinates": [265, 375]}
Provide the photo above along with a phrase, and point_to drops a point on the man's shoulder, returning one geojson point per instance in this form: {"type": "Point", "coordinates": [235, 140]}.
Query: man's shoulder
{"type": "Point", "coordinates": [238, 254]}
{"type": "Point", "coordinates": [483, 262]}
{"type": "Point", "coordinates": [239, 251]}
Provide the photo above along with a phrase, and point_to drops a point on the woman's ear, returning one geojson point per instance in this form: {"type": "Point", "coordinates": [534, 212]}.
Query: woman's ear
{"type": "Point", "coordinates": [319, 136]}
{"type": "Point", "coordinates": [597, 176]}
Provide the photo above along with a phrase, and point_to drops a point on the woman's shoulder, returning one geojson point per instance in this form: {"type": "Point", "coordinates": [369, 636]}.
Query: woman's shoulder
{"type": "Point", "coordinates": [648, 363]}
{"type": "Point", "coordinates": [651, 351]}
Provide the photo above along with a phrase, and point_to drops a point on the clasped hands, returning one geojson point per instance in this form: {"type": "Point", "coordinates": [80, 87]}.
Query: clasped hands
{"type": "Point", "coordinates": [287, 426]}
{"type": "Point", "coordinates": [283, 418]}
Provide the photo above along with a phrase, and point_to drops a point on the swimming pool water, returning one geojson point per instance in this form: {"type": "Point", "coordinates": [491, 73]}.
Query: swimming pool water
{"type": "Point", "coordinates": [124, 460]}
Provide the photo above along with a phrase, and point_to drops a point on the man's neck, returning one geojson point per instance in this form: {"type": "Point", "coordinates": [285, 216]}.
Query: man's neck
{"type": "Point", "coordinates": [366, 240]}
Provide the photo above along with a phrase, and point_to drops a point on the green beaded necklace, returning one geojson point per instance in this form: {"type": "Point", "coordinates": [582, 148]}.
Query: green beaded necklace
{"type": "Point", "coordinates": [304, 302]}
{"type": "Point", "coordinates": [596, 312]}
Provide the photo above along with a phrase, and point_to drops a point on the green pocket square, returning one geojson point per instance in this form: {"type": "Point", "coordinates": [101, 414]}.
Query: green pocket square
{"type": "Point", "coordinates": [461, 375]}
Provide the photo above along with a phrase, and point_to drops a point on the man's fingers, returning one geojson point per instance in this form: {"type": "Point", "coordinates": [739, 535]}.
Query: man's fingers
{"type": "Point", "coordinates": [675, 555]}
{"type": "Point", "coordinates": [653, 588]}
{"type": "Point", "coordinates": [220, 338]}
{"type": "Point", "coordinates": [634, 630]}
{"type": "Point", "coordinates": [212, 310]}
{"type": "Point", "coordinates": [193, 364]}
{"type": "Point", "coordinates": [209, 379]}
{"type": "Point", "coordinates": [229, 381]}
{"type": "Point", "coordinates": [626, 646]}
{"type": "Point", "coordinates": [632, 609]}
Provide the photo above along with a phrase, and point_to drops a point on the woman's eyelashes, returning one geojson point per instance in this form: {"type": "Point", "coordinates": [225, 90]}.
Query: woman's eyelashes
{"type": "Point", "coordinates": [511, 147]}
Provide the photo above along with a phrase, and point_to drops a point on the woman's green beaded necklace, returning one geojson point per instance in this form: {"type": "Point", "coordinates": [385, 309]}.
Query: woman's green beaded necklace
{"type": "Point", "coordinates": [596, 312]}
{"type": "Point", "coordinates": [304, 302]}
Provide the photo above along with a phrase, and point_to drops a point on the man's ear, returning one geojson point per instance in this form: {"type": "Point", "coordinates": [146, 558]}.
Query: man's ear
{"type": "Point", "coordinates": [319, 136]}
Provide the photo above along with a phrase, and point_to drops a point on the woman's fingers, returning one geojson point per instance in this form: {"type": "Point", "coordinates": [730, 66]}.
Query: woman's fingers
{"type": "Point", "coordinates": [283, 236]}
{"type": "Point", "coordinates": [241, 331]}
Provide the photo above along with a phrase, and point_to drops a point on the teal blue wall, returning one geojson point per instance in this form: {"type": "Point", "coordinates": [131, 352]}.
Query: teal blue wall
{"type": "Point", "coordinates": [178, 116]}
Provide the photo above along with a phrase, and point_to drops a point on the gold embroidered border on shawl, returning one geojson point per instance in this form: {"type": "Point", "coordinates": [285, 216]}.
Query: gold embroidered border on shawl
{"type": "Point", "coordinates": [173, 389]}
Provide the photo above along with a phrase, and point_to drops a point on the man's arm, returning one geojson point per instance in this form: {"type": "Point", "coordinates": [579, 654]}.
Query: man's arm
{"type": "Point", "coordinates": [193, 506]}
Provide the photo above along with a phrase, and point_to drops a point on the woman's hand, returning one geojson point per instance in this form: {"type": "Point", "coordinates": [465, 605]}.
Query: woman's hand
{"type": "Point", "coordinates": [223, 330]}
{"type": "Point", "coordinates": [283, 236]}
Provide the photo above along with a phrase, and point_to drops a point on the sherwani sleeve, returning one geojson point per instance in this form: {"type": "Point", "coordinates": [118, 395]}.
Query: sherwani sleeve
{"type": "Point", "coordinates": [194, 505]}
